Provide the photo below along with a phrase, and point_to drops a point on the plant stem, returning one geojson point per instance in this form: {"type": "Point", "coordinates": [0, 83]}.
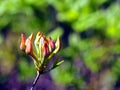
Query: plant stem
{"type": "Point", "coordinates": [35, 81]}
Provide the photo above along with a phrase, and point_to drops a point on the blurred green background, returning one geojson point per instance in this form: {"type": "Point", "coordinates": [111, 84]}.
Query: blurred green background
{"type": "Point", "coordinates": [90, 33]}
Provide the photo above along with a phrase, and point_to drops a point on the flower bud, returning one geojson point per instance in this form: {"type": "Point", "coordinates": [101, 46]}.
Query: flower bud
{"type": "Point", "coordinates": [38, 36]}
{"type": "Point", "coordinates": [28, 43]}
{"type": "Point", "coordinates": [42, 51]}
{"type": "Point", "coordinates": [57, 45]}
{"type": "Point", "coordinates": [51, 44]}
{"type": "Point", "coordinates": [45, 49]}
{"type": "Point", "coordinates": [22, 43]}
{"type": "Point", "coordinates": [43, 46]}
{"type": "Point", "coordinates": [36, 42]}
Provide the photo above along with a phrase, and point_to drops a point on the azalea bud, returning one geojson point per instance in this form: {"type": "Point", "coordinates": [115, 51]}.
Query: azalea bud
{"type": "Point", "coordinates": [41, 41]}
{"type": "Point", "coordinates": [51, 44]}
{"type": "Point", "coordinates": [45, 49]}
{"type": "Point", "coordinates": [42, 51]}
{"type": "Point", "coordinates": [31, 37]}
{"type": "Point", "coordinates": [22, 43]}
{"type": "Point", "coordinates": [57, 45]}
{"type": "Point", "coordinates": [29, 48]}
{"type": "Point", "coordinates": [36, 42]}
{"type": "Point", "coordinates": [38, 36]}
{"type": "Point", "coordinates": [43, 46]}
{"type": "Point", "coordinates": [28, 43]}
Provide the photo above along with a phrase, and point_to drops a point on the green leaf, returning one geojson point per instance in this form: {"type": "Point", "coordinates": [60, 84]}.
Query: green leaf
{"type": "Point", "coordinates": [58, 63]}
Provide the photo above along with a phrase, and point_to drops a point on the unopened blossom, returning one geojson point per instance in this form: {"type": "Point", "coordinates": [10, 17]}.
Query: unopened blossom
{"type": "Point", "coordinates": [51, 44]}
{"type": "Point", "coordinates": [29, 44]}
{"type": "Point", "coordinates": [58, 45]}
{"type": "Point", "coordinates": [22, 44]}
{"type": "Point", "coordinates": [41, 49]}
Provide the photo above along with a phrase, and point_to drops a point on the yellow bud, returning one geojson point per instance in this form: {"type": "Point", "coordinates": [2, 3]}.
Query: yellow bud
{"type": "Point", "coordinates": [57, 45]}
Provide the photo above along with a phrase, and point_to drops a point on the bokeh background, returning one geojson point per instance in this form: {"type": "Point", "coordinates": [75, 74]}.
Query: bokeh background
{"type": "Point", "coordinates": [90, 33]}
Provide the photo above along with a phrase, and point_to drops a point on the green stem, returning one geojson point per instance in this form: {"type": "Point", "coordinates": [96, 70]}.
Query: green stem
{"type": "Point", "coordinates": [35, 81]}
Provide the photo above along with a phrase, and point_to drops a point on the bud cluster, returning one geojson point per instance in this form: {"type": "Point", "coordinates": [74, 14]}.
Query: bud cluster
{"type": "Point", "coordinates": [41, 49]}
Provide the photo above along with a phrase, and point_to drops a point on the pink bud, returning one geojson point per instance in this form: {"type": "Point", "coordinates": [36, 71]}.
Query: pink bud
{"type": "Point", "coordinates": [41, 41]}
{"type": "Point", "coordinates": [28, 43]}
{"type": "Point", "coordinates": [45, 49]}
{"type": "Point", "coordinates": [29, 47]}
{"type": "Point", "coordinates": [22, 43]}
{"type": "Point", "coordinates": [52, 43]}
{"type": "Point", "coordinates": [44, 45]}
